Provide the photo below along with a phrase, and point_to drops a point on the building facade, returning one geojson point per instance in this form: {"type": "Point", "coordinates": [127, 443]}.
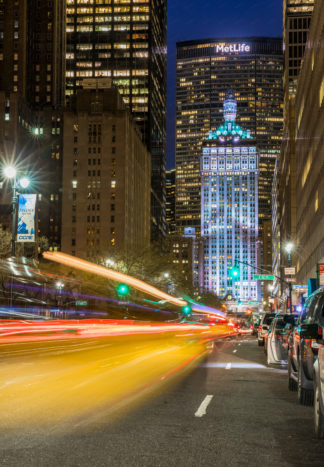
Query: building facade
{"type": "Point", "coordinates": [106, 178]}
{"type": "Point", "coordinates": [296, 22]}
{"type": "Point", "coordinates": [229, 208]}
{"type": "Point", "coordinates": [126, 41]}
{"type": "Point", "coordinates": [170, 201]}
{"type": "Point", "coordinates": [32, 69]}
{"type": "Point", "coordinates": [253, 67]}
{"type": "Point", "coordinates": [310, 153]}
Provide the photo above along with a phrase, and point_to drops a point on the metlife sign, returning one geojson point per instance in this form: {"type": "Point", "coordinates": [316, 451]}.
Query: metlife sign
{"type": "Point", "coordinates": [232, 48]}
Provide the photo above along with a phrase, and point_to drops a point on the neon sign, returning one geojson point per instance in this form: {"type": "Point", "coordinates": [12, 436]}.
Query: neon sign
{"type": "Point", "coordinates": [227, 48]}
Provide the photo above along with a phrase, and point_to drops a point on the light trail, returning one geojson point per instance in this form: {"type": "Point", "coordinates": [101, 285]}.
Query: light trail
{"type": "Point", "coordinates": [142, 286]}
{"type": "Point", "coordinates": [61, 375]}
{"type": "Point", "coordinates": [86, 266]}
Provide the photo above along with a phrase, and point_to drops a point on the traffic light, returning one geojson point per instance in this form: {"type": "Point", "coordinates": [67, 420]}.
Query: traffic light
{"type": "Point", "coordinates": [235, 272]}
{"type": "Point", "coordinates": [186, 310]}
{"type": "Point", "coordinates": [122, 290]}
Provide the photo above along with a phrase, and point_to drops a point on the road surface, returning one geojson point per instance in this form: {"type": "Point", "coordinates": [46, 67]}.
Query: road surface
{"type": "Point", "coordinates": [232, 410]}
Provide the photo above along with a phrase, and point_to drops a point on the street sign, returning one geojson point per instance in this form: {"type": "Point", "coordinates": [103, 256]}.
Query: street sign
{"type": "Point", "coordinates": [290, 271]}
{"type": "Point", "coordinates": [253, 303]}
{"type": "Point", "coordinates": [290, 279]}
{"type": "Point", "coordinates": [263, 277]}
{"type": "Point", "coordinates": [81, 303]}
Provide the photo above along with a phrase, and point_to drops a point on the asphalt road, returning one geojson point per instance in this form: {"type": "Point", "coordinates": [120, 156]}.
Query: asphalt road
{"type": "Point", "coordinates": [232, 410]}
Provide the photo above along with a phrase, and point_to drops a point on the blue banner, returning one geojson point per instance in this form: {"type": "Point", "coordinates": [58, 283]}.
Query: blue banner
{"type": "Point", "coordinates": [26, 218]}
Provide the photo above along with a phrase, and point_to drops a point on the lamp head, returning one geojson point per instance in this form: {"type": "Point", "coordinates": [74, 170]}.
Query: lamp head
{"type": "Point", "coordinates": [24, 182]}
{"type": "Point", "coordinates": [10, 171]}
{"type": "Point", "coordinates": [289, 247]}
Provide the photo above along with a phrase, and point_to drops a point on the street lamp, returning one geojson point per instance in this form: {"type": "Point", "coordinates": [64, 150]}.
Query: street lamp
{"type": "Point", "coordinates": [289, 248]}
{"type": "Point", "coordinates": [166, 275]}
{"type": "Point", "coordinates": [10, 172]}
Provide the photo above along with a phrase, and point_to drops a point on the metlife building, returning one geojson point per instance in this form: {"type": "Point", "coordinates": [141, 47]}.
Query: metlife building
{"type": "Point", "coordinates": [253, 68]}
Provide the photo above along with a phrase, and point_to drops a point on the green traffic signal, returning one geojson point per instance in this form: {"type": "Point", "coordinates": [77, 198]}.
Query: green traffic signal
{"type": "Point", "coordinates": [122, 290]}
{"type": "Point", "coordinates": [235, 272]}
{"type": "Point", "coordinates": [186, 310]}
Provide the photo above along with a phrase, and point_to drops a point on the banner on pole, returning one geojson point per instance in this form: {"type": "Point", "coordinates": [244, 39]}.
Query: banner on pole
{"type": "Point", "coordinates": [26, 218]}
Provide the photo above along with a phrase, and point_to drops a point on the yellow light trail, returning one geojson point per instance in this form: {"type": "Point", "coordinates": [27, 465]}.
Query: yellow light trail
{"type": "Point", "coordinates": [75, 383]}
{"type": "Point", "coordinates": [87, 266]}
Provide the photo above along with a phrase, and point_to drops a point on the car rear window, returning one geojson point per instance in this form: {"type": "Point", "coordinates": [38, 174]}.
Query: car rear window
{"type": "Point", "coordinates": [268, 319]}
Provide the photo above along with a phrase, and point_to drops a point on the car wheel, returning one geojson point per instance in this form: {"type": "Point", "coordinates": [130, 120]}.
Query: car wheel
{"type": "Point", "coordinates": [305, 396]}
{"type": "Point", "coordinates": [292, 384]}
{"type": "Point", "coordinates": [318, 414]}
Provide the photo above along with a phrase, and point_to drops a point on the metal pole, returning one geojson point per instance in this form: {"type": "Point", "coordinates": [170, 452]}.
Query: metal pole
{"type": "Point", "coordinates": [14, 218]}
{"type": "Point", "coordinates": [290, 286]}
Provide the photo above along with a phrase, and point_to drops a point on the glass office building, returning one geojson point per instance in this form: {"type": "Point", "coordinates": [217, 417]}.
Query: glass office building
{"type": "Point", "coordinates": [253, 68]}
{"type": "Point", "coordinates": [229, 208]}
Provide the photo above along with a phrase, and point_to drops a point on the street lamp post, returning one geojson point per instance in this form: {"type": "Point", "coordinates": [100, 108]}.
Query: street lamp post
{"type": "Point", "coordinates": [11, 173]}
{"type": "Point", "coordinates": [289, 248]}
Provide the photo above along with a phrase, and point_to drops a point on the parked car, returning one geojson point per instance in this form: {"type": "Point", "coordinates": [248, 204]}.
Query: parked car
{"type": "Point", "coordinates": [264, 325]}
{"type": "Point", "coordinates": [303, 349]}
{"type": "Point", "coordinates": [277, 338]}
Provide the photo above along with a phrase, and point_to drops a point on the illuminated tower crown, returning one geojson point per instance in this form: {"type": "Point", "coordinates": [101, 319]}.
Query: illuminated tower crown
{"type": "Point", "coordinates": [230, 106]}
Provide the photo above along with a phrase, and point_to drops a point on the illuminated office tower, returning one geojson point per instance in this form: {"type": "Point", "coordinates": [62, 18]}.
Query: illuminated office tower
{"type": "Point", "coordinates": [126, 41]}
{"type": "Point", "coordinates": [253, 67]}
{"type": "Point", "coordinates": [229, 208]}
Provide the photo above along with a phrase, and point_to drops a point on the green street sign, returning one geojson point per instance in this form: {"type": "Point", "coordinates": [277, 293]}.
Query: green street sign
{"type": "Point", "coordinates": [263, 277]}
{"type": "Point", "coordinates": [81, 303]}
{"type": "Point", "coordinates": [253, 303]}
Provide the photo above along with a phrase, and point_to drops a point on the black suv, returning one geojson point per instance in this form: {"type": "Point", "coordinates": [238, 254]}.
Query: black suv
{"type": "Point", "coordinates": [302, 352]}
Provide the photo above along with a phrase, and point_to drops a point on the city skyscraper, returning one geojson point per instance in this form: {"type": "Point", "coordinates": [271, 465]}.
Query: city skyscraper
{"type": "Point", "coordinates": [296, 22]}
{"type": "Point", "coordinates": [229, 208]}
{"type": "Point", "coordinates": [106, 177]}
{"type": "Point", "coordinates": [309, 102]}
{"type": "Point", "coordinates": [126, 41]}
{"type": "Point", "coordinates": [253, 68]}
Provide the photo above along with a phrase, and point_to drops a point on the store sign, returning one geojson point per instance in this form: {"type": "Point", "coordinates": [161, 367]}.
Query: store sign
{"type": "Point", "coordinates": [26, 218]}
{"type": "Point", "coordinates": [290, 271]}
{"type": "Point", "coordinates": [321, 274]}
{"type": "Point", "coordinates": [228, 48]}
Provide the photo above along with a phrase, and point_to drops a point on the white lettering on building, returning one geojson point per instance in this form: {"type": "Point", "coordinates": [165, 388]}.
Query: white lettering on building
{"type": "Point", "coordinates": [228, 48]}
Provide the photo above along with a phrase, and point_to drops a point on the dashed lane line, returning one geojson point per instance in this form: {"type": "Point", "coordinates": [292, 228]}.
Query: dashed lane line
{"type": "Point", "coordinates": [202, 409]}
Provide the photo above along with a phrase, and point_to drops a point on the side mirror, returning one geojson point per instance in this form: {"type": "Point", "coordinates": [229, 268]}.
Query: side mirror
{"type": "Point", "coordinates": [310, 331]}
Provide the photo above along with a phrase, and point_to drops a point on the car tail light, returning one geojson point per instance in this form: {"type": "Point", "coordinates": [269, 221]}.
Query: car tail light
{"type": "Point", "coordinates": [260, 328]}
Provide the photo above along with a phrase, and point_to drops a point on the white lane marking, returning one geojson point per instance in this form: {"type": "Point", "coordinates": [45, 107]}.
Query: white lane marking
{"type": "Point", "coordinates": [228, 366]}
{"type": "Point", "coordinates": [202, 410]}
{"type": "Point", "coordinates": [234, 351]}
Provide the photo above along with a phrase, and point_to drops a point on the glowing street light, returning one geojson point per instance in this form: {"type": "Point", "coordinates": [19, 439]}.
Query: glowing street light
{"type": "Point", "coordinates": [10, 171]}
{"type": "Point", "coordinates": [24, 182]}
{"type": "Point", "coordinates": [166, 275]}
{"type": "Point", "coordinates": [289, 247]}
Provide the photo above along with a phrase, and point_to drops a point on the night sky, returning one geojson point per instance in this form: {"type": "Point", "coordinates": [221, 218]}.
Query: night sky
{"type": "Point", "coordinates": [204, 19]}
